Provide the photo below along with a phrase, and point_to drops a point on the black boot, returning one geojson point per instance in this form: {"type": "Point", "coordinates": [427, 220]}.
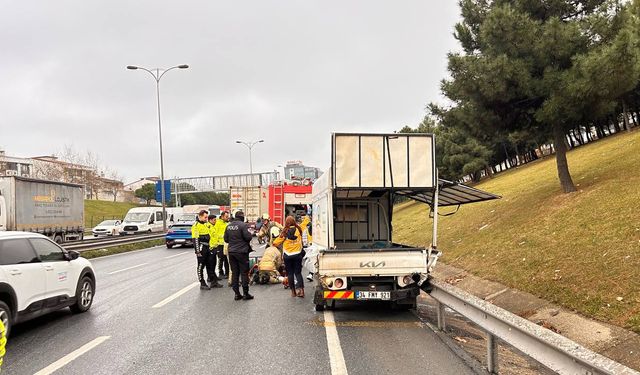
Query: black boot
{"type": "Point", "coordinates": [238, 296]}
{"type": "Point", "coordinates": [216, 285]}
{"type": "Point", "coordinates": [204, 286]}
{"type": "Point", "coordinates": [247, 296]}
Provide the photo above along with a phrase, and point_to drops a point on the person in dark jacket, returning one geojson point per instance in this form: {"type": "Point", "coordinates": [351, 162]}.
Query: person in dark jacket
{"type": "Point", "coordinates": [239, 239]}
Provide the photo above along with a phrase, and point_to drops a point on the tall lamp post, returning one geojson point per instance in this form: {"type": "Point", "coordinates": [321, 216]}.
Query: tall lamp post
{"type": "Point", "coordinates": [157, 74]}
{"type": "Point", "coordinates": [250, 147]}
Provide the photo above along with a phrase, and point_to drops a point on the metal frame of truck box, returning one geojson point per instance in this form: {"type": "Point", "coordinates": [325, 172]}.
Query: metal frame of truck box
{"type": "Point", "coordinates": [352, 217]}
{"type": "Point", "coordinates": [55, 209]}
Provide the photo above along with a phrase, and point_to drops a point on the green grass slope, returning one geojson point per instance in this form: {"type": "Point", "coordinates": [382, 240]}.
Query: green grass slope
{"type": "Point", "coordinates": [580, 250]}
{"type": "Point", "coordinates": [96, 211]}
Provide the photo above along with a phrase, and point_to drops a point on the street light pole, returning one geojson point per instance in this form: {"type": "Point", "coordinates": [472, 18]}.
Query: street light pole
{"type": "Point", "coordinates": [157, 75]}
{"type": "Point", "coordinates": [250, 147]}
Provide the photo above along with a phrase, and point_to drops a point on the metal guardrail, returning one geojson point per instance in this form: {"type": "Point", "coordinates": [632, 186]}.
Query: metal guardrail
{"type": "Point", "coordinates": [102, 244]}
{"type": "Point", "coordinates": [552, 350]}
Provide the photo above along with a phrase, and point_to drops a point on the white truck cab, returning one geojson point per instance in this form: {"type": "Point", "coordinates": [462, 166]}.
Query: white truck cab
{"type": "Point", "coordinates": [141, 220]}
{"type": "Point", "coordinates": [352, 218]}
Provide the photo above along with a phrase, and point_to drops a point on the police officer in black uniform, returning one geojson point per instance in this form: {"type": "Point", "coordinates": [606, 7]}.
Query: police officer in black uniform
{"type": "Point", "coordinates": [239, 239]}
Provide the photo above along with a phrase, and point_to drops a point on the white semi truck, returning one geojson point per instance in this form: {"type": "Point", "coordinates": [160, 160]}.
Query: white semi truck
{"type": "Point", "coordinates": [54, 209]}
{"type": "Point", "coordinates": [352, 218]}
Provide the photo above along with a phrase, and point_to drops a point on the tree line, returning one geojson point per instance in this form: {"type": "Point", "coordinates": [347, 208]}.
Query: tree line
{"type": "Point", "coordinates": [535, 78]}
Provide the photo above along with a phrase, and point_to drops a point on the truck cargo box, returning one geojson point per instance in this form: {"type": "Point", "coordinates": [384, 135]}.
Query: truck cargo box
{"type": "Point", "coordinates": [47, 207]}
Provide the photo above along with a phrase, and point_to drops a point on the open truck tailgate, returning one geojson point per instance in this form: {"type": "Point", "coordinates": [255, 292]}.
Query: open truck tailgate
{"type": "Point", "coordinates": [388, 262]}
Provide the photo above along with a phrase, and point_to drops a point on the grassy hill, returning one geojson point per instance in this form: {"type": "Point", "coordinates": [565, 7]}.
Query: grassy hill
{"type": "Point", "coordinates": [96, 211]}
{"type": "Point", "coordinates": [580, 250]}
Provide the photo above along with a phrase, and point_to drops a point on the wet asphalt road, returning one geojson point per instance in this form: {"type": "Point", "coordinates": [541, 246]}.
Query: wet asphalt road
{"type": "Point", "coordinates": [206, 332]}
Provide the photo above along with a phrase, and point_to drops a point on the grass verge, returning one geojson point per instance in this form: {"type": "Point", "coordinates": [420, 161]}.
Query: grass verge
{"type": "Point", "coordinates": [580, 250]}
{"type": "Point", "coordinates": [90, 254]}
{"type": "Point", "coordinates": [97, 211]}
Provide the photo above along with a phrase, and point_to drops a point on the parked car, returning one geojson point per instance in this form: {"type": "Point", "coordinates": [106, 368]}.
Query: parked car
{"type": "Point", "coordinates": [38, 277]}
{"type": "Point", "coordinates": [179, 234]}
{"type": "Point", "coordinates": [107, 228]}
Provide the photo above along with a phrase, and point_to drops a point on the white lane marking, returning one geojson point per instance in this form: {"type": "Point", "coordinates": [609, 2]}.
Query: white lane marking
{"type": "Point", "coordinates": [336, 357]}
{"type": "Point", "coordinates": [175, 295]}
{"type": "Point", "coordinates": [72, 356]}
{"type": "Point", "coordinates": [177, 255]}
{"type": "Point", "coordinates": [128, 268]}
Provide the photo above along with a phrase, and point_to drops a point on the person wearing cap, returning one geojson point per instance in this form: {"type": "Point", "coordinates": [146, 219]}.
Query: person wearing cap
{"type": "Point", "coordinates": [238, 237]}
{"type": "Point", "coordinates": [201, 234]}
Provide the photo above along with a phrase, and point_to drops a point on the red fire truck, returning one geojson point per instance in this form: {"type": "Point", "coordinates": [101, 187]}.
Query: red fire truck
{"type": "Point", "coordinates": [289, 199]}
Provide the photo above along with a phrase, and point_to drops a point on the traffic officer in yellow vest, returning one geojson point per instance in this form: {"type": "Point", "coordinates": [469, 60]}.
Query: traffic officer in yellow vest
{"type": "Point", "coordinates": [217, 243]}
{"type": "Point", "coordinates": [213, 249]}
{"type": "Point", "coordinates": [201, 234]}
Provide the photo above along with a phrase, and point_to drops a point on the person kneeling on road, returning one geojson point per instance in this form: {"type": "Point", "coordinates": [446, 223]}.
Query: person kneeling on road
{"type": "Point", "coordinates": [239, 238]}
{"type": "Point", "coordinates": [201, 234]}
{"type": "Point", "coordinates": [270, 264]}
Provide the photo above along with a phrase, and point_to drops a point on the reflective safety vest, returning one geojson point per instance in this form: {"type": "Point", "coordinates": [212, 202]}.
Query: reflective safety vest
{"type": "Point", "coordinates": [201, 231]}
{"type": "Point", "coordinates": [271, 260]}
{"type": "Point", "coordinates": [3, 341]}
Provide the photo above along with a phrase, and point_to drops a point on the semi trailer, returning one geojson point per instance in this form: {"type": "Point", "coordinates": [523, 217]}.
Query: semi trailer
{"type": "Point", "coordinates": [54, 209]}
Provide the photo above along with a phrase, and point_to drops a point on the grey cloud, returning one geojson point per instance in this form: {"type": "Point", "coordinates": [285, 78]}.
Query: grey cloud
{"type": "Point", "coordinates": [289, 72]}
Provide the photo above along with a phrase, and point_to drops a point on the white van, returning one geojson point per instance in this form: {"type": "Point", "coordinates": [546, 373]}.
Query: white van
{"type": "Point", "coordinates": [141, 220]}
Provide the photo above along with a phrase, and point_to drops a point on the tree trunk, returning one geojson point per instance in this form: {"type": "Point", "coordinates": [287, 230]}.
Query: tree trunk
{"type": "Point", "coordinates": [625, 113]}
{"type": "Point", "coordinates": [561, 160]}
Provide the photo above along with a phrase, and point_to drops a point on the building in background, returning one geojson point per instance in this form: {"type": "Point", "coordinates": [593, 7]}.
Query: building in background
{"type": "Point", "coordinates": [15, 166]}
{"type": "Point", "coordinates": [296, 170]}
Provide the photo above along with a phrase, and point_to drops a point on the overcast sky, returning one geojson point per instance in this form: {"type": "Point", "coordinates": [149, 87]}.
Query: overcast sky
{"type": "Point", "coordinates": [288, 72]}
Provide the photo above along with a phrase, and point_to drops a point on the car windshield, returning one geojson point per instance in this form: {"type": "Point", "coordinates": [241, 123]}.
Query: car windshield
{"type": "Point", "coordinates": [108, 223]}
{"type": "Point", "coordinates": [136, 216]}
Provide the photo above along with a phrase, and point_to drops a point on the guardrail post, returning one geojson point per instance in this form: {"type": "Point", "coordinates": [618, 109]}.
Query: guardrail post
{"type": "Point", "coordinates": [492, 354]}
{"type": "Point", "coordinates": [442, 323]}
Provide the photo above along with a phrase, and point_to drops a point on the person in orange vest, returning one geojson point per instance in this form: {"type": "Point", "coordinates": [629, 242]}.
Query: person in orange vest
{"type": "Point", "coordinates": [291, 241]}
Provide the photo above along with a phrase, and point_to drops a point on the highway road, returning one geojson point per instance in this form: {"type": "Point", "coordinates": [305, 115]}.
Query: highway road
{"type": "Point", "coordinates": [150, 317]}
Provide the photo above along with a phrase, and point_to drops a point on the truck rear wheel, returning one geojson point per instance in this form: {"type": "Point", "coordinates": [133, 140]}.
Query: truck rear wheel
{"type": "Point", "coordinates": [320, 307]}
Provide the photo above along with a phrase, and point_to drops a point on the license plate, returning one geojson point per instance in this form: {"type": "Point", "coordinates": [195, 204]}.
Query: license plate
{"type": "Point", "coordinates": [180, 241]}
{"type": "Point", "coordinates": [384, 296]}
{"type": "Point", "coordinates": [130, 232]}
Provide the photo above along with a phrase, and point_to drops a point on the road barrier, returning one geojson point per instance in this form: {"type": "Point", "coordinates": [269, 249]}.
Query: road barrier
{"type": "Point", "coordinates": [552, 350]}
{"type": "Point", "coordinates": [111, 242]}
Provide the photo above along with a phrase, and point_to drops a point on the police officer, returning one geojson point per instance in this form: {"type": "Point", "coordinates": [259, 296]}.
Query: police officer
{"type": "Point", "coordinates": [218, 244]}
{"type": "Point", "coordinates": [212, 257]}
{"type": "Point", "coordinates": [239, 239]}
{"type": "Point", "coordinates": [201, 234]}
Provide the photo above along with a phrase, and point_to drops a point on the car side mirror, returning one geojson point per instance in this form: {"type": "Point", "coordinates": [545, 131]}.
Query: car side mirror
{"type": "Point", "coordinates": [72, 255]}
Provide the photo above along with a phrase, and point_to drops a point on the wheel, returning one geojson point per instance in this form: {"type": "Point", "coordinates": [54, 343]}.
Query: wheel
{"type": "Point", "coordinates": [169, 246]}
{"type": "Point", "coordinates": [84, 295]}
{"type": "Point", "coordinates": [320, 307]}
{"type": "Point", "coordinates": [95, 235]}
{"type": "Point", "coordinates": [58, 239]}
{"type": "Point", "coordinates": [5, 317]}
